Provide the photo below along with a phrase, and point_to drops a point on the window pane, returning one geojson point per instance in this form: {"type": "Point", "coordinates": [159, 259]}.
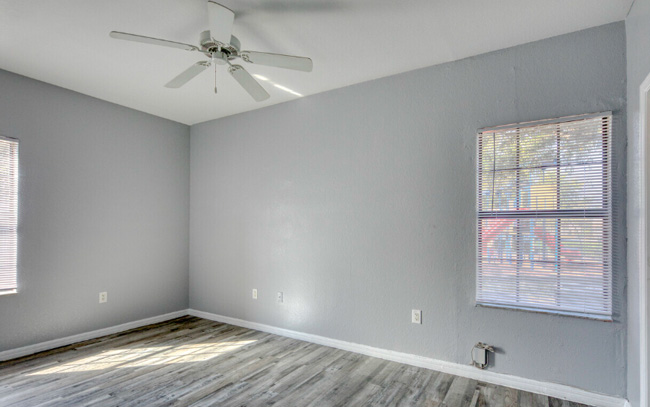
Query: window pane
{"type": "Point", "coordinates": [538, 189]}
{"type": "Point", "coordinates": [582, 186]}
{"type": "Point", "coordinates": [544, 263]}
{"type": "Point", "coordinates": [538, 147]}
{"type": "Point", "coordinates": [506, 149]}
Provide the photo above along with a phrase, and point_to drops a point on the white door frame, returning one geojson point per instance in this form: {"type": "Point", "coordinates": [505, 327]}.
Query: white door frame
{"type": "Point", "coordinates": [644, 94]}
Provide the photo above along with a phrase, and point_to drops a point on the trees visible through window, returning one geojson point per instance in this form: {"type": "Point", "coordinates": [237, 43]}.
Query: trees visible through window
{"type": "Point", "coordinates": [544, 216]}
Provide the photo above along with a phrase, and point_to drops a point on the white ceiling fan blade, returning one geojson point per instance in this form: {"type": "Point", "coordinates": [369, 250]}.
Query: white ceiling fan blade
{"type": "Point", "coordinates": [248, 83]}
{"type": "Point", "coordinates": [221, 21]}
{"type": "Point", "coordinates": [278, 60]}
{"type": "Point", "coordinates": [188, 74]}
{"type": "Point", "coordinates": [149, 40]}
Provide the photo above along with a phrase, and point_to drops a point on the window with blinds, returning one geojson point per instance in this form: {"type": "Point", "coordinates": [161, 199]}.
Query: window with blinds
{"type": "Point", "coordinates": [8, 214]}
{"type": "Point", "coordinates": [544, 204]}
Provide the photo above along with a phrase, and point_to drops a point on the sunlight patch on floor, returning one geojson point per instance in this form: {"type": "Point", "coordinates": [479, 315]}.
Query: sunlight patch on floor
{"type": "Point", "coordinates": [149, 356]}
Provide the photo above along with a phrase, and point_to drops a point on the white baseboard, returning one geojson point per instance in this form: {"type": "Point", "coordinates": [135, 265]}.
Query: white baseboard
{"type": "Point", "coordinates": [69, 340]}
{"type": "Point", "coordinates": [549, 389]}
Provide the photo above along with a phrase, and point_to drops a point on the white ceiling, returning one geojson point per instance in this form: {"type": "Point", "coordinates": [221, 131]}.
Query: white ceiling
{"type": "Point", "coordinates": [66, 43]}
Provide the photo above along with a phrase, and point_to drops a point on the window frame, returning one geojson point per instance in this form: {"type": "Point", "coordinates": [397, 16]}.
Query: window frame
{"type": "Point", "coordinates": [607, 213]}
{"type": "Point", "coordinates": [15, 227]}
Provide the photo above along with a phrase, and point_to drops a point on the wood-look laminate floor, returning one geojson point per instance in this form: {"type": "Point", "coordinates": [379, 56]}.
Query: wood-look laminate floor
{"type": "Point", "coordinates": [195, 362]}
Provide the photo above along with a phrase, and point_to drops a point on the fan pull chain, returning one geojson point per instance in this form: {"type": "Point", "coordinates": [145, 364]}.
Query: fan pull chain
{"type": "Point", "coordinates": [215, 78]}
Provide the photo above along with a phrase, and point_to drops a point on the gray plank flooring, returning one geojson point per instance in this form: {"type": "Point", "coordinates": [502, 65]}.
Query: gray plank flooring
{"type": "Point", "coordinates": [195, 362]}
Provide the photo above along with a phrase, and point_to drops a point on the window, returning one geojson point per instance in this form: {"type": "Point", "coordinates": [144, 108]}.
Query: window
{"type": "Point", "coordinates": [8, 214]}
{"type": "Point", "coordinates": [544, 208]}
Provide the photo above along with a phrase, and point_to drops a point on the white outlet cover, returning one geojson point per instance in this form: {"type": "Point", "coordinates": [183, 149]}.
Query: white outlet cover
{"type": "Point", "coordinates": [280, 296]}
{"type": "Point", "coordinates": [416, 316]}
{"type": "Point", "coordinates": [103, 297]}
{"type": "Point", "coordinates": [254, 293]}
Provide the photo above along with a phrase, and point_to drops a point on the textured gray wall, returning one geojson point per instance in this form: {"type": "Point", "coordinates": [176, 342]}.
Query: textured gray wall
{"type": "Point", "coordinates": [638, 68]}
{"type": "Point", "coordinates": [104, 206]}
{"type": "Point", "coordinates": [359, 204]}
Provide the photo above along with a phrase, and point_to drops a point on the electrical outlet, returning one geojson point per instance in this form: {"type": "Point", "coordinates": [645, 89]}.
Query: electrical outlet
{"type": "Point", "coordinates": [103, 297]}
{"type": "Point", "coordinates": [254, 293]}
{"type": "Point", "coordinates": [280, 296]}
{"type": "Point", "coordinates": [416, 316]}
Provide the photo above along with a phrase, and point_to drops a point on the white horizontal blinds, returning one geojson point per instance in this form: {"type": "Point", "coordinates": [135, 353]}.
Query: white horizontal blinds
{"type": "Point", "coordinates": [544, 216]}
{"type": "Point", "coordinates": [8, 213]}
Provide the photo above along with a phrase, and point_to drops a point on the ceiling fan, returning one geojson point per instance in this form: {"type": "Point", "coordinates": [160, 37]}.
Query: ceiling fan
{"type": "Point", "coordinates": [222, 47]}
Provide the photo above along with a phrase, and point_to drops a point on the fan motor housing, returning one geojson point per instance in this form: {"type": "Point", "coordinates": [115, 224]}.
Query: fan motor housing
{"type": "Point", "coordinates": [209, 45]}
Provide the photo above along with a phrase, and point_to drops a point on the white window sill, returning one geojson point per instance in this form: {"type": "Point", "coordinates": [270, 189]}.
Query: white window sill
{"type": "Point", "coordinates": [7, 292]}
{"type": "Point", "coordinates": [603, 318]}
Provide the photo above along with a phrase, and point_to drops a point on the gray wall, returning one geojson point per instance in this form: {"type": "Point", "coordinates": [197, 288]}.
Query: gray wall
{"type": "Point", "coordinates": [638, 68]}
{"type": "Point", "coordinates": [104, 206]}
{"type": "Point", "coordinates": [359, 204]}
